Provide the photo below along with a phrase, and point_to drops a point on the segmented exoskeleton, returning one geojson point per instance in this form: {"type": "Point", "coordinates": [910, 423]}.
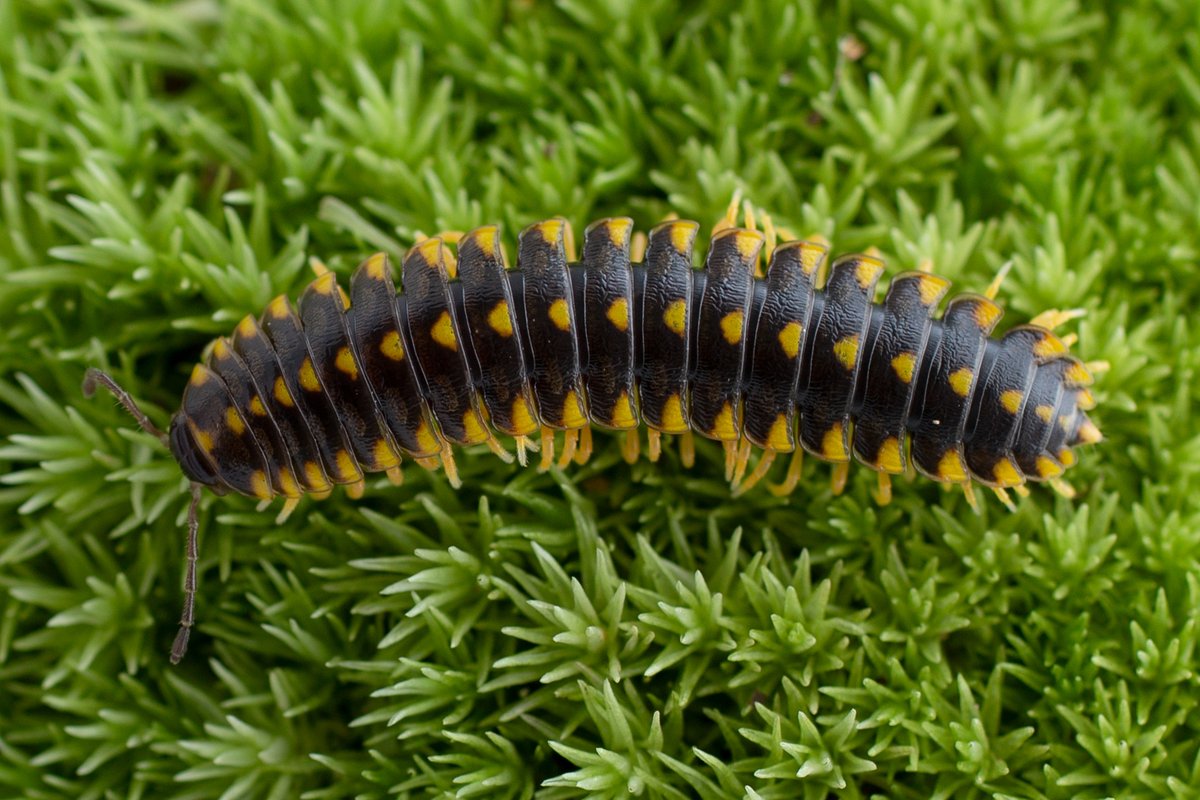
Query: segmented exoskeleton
{"type": "Point", "coordinates": [344, 384]}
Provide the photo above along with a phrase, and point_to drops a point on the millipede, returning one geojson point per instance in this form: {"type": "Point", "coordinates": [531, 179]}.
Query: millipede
{"type": "Point", "coordinates": [769, 349]}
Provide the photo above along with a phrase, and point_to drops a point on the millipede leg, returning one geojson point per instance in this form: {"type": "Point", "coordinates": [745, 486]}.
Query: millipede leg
{"type": "Point", "coordinates": [447, 456]}
{"type": "Point", "coordinates": [631, 447]}
{"type": "Point", "coordinates": [289, 505]}
{"type": "Point", "coordinates": [687, 449]}
{"type": "Point", "coordinates": [1096, 367]}
{"type": "Point", "coordinates": [585, 446]}
{"type": "Point", "coordinates": [547, 449]}
{"type": "Point", "coordinates": [655, 439]}
{"type": "Point", "coordinates": [396, 475]}
{"type": "Point", "coordinates": [499, 450]}
{"type": "Point", "coordinates": [883, 494]}
{"type": "Point", "coordinates": [1063, 488]}
{"type": "Point", "coordinates": [522, 448]}
{"type": "Point", "coordinates": [972, 500]}
{"type": "Point", "coordinates": [570, 441]}
{"type": "Point", "coordinates": [760, 471]}
{"type": "Point", "coordinates": [993, 288]}
{"type": "Point", "coordinates": [1051, 318]}
{"type": "Point", "coordinates": [1002, 493]}
{"type": "Point", "coordinates": [730, 446]}
{"type": "Point", "coordinates": [841, 473]}
{"type": "Point", "coordinates": [743, 459]}
{"type": "Point", "coordinates": [731, 214]}
{"type": "Point", "coordinates": [637, 247]}
{"type": "Point", "coordinates": [569, 240]}
{"type": "Point", "coordinates": [357, 489]}
{"type": "Point", "coordinates": [792, 479]}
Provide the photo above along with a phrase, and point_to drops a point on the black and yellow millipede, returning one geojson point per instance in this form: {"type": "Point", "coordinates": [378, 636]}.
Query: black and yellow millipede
{"type": "Point", "coordinates": [799, 359]}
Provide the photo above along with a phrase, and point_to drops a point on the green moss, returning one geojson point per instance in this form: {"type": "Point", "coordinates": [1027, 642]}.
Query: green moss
{"type": "Point", "coordinates": [166, 168]}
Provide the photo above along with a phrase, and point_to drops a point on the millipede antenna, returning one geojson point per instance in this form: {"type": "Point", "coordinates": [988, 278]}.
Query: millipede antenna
{"type": "Point", "coordinates": [94, 377]}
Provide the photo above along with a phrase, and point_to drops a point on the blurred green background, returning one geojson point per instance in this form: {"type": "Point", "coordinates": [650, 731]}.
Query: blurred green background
{"type": "Point", "coordinates": [166, 168]}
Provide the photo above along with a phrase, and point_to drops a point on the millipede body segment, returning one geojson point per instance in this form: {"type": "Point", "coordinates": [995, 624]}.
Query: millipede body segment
{"type": "Point", "coordinates": [339, 385]}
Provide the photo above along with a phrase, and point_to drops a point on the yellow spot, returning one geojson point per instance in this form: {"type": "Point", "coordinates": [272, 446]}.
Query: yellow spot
{"type": "Point", "coordinates": [672, 415]}
{"type": "Point", "coordinates": [930, 288]}
{"type": "Point", "coordinates": [220, 350]}
{"type": "Point", "coordinates": [282, 395]}
{"type": "Point", "coordinates": [347, 469]}
{"type": "Point", "coordinates": [811, 256]}
{"type": "Point", "coordinates": [560, 314]}
{"type": "Point", "coordinates": [523, 422]}
{"type": "Point", "coordinates": [960, 381]}
{"type": "Point", "coordinates": [833, 443]}
{"type": "Point", "coordinates": [385, 457]}
{"type": "Point", "coordinates": [308, 376]}
{"type": "Point", "coordinates": [287, 482]}
{"type": "Point", "coordinates": [618, 314]}
{"type": "Point", "coordinates": [346, 363]}
{"type": "Point", "coordinates": [683, 235]}
{"type": "Point", "coordinates": [1085, 400]}
{"type": "Point", "coordinates": [950, 468]}
{"type": "Point", "coordinates": [779, 437]}
{"type": "Point", "coordinates": [723, 428]}
{"type": "Point", "coordinates": [1065, 421]}
{"type": "Point", "coordinates": [573, 411]}
{"type": "Point", "coordinates": [1088, 433]}
{"type": "Point", "coordinates": [1047, 468]}
{"type": "Point", "coordinates": [259, 486]}
{"type": "Point", "coordinates": [234, 420]}
{"type": "Point", "coordinates": [675, 316]}
{"type": "Point", "coordinates": [1067, 457]}
{"type": "Point", "coordinates": [199, 376]}
{"type": "Point", "coordinates": [500, 320]}
{"type": "Point", "coordinates": [443, 332]}
{"type": "Point", "coordinates": [279, 307]}
{"type": "Point", "coordinates": [430, 250]}
{"type": "Point", "coordinates": [1049, 346]}
{"type": "Point", "coordinates": [345, 297]}
{"type": "Point", "coordinates": [377, 267]}
{"type": "Point", "coordinates": [486, 238]}
{"type": "Point", "coordinates": [473, 427]}
{"type": "Point", "coordinates": [1077, 375]}
{"type": "Point", "coordinates": [622, 412]}
{"type": "Point", "coordinates": [789, 338]}
{"type": "Point", "coordinates": [203, 438]}
{"type": "Point", "coordinates": [1006, 474]}
{"type": "Point", "coordinates": [391, 346]}
{"type": "Point", "coordinates": [1046, 413]}
{"type": "Point", "coordinates": [889, 455]}
{"type": "Point", "coordinates": [248, 327]}
{"type": "Point", "coordinates": [315, 476]}
{"type": "Point", "coordinates": [846, 351]}
{"type": "Point", "coordinates": [256, 406]}
{"type": "Point", "coordinates": [987, 314]}
{"type": "Point", "coordinates": [867, 272]}
{"type": "Point", "coordinates": [748, 244]}
{"type": "Point", "coordinates": [904, 364]}
{"type": "Point", "coordinates": [324, 284]}
{"type": "Point", "coordinates": [551, 230]}
{"type": "Point", "coordinates": [731, 326]}
{"type": "Point", "coordinates": [618, 230]}
{"type": "Point", "coordinates": [426, 440]}
{"type": "Point", "coordinates": [1011, 400]}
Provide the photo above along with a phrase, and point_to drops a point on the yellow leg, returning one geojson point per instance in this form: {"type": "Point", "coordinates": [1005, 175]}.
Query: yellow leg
{"type": "Point", "coordinates": [631, 447]}
{"type": "Point", "coordinates": [1002, 493]}
{"type": "Point", "coordinates": [396, 476]}
{"type": "Point", "coordinates": [883, 495]}
{"type": "Point", "coordinates": [655, 444]}
{"type": "Point", "coordinates": [637, 248]}
{"type": "Point", "coordinates": [972, 500]}
{"type": "Point", "coordinates": [263, 505]}
{"type": "Point", "coordinates": [570, 442]}
{"type": "Point", "coordinates": [317, 266]}
{"type": "Point", "coordinates": [743, 459]}
{"type": "Point", "coordinates": [771, 235]}
{"type": "Point", "coordinates": [1063, 488]}
{"type": "Point", "coordinates": [357, 489]}
{"type": "Point", "coordinates": [731, 214]}
{"type": "Point", "coordinates": [748, 212]}
{"type": "Point", "coordinates": [731, 448]}
{"type": "Point", "coordinates": [925, 265]}
{"type": "Point", "coordinates": [1096, 367]}
{"type": "Point", "coordinates": [585, 446]}
{"type": "Point", "coordinates": [1022, 490]}
{"type": "Point", "coordinates": [451, 468]}
{"type": "Point", "coordinates": [841, 472]}
{"type": "Point", "coordinates": [431, 463]}
{"type": "Point", "coordinates": [792, 479]}
{"type": "Point", "coordinates": [499, 450]}
{"type": "Point", "coordinates": [547, 449]}
{"type": "Point", "coordinates": [759, 472]}
{"type": "Point", "coordinates": [993, 288]}
{"type": "Point", "coordinates": [1051, 318]}
{"type": "Point", "coordinates": [1069, 340]}
{"type": "Point", "coordinates": [289, 505]}
{"type": "Point", "coordinates": [522, 450]}
{"type": "Point", "coordinates": [569, 240]}
{"type": "Point", "coordinates": [687, 449]}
